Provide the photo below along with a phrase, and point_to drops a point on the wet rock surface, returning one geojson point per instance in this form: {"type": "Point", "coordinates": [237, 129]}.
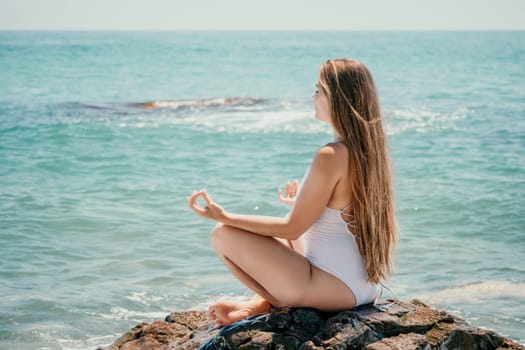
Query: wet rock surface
{"type": "Point", "coordinates": [391, 325]}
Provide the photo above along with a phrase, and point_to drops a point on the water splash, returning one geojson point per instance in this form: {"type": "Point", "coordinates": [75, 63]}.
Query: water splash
{"type": "Point", "coordinates": [421, 120]}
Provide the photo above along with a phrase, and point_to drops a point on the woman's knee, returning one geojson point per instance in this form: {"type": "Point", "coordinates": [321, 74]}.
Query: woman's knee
{"type": "Point", "coordinates": [216, 234]}
{"type": "Point", "coordinates": [219, 235]}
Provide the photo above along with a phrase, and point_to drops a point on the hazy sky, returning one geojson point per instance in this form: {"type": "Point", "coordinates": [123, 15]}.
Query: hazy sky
{"type": "Point", "coordinates": [263, 14]}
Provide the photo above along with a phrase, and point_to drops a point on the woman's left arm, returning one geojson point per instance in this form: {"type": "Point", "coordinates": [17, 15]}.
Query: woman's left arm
{"type": "Point", "coordinates": [311, 201]}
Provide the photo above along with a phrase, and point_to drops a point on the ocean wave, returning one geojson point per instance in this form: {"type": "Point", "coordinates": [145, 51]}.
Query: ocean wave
{"type": "Point", "coordinates": [85, 344]}
{"type": "Point", "coordinates": [121, 313]}
{"type": "Point", "coordinates": [200, 104]}
{"type": "Point", "coordinates": [267, 122]}
{"type": "Point", "coordinates": [478, 293]}
{"type": "Point", "coordinates": [230, 115]}
{"type": "Point", "coordinates": [421, 120]}
{"type": "Point", "coordinates": [183, 105]}
{"type": "Point", "coordinates": [240, 115]}
{"type": "Point", "coordinates": [144, 298]}
{"type": "Point", "coordinates": [245, 114]}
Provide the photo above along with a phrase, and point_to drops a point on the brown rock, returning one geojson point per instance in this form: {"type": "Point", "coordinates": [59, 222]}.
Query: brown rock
{"type": "Point", "coordinates": [392, 325]}
{"type": "Point", "coordinates": [410, 341]}
{"type": "Point", "coordinates": [180, 330]}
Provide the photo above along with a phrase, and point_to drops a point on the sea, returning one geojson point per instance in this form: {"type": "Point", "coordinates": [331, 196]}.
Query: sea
{"type": "Point", "coordinates": [103, 135]}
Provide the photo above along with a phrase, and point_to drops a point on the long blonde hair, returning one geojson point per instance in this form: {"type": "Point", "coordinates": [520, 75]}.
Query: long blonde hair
{"type": "Point", "coordinates": [356, 117]}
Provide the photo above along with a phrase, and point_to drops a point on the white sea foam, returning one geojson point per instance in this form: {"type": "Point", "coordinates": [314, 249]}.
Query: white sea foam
{"type": "Point", "coordinates": [227, 115]}
{"type": "Point", "coordinates": [270, 121]}
{"type": "Point", "coordinates": [236, 122]}
{"type": "Point", "coordinates": [90, 343]}
{"type": "Point", "coordinates": [240, 115]}
{"type": "Point", "coordinates": [421, 120]}
{"type": "Point", "coordinates": [144, 298]}
{"type": "Point", "coordinates": [477, 293]}
{"type": "Point", "coordinates": [120, 313]}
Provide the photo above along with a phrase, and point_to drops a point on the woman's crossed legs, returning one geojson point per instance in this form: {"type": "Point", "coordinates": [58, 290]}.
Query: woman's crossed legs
{"type": "Point", "coordinates": [278, 274]}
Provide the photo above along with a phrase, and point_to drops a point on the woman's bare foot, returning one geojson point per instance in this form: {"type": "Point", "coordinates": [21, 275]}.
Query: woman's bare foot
{"type": "Point", "coordinates": [225, 311]}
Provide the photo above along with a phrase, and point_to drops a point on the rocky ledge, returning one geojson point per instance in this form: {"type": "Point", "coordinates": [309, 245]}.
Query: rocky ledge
{"type": "Point", "coordinates": [390, 325]}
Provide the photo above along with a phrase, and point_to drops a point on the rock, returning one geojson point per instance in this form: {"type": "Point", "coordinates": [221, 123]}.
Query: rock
{"type": "Point", "coordinates": [180, 330]}
{"type": "Point", "coordinates": [391, 325]}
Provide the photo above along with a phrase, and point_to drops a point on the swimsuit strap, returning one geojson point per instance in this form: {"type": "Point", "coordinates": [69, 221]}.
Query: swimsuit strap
{"type": "Point", "coordinates": [343, 212]}
{"type": "Point", "coordinates": [351, 221]}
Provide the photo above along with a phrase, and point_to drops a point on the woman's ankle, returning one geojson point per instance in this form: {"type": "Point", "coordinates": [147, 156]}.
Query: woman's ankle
{"type": "Point", "coordinates": [259, 305]}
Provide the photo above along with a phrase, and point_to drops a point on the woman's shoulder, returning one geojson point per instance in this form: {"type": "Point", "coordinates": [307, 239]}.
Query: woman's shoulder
{"type": "Point", "coordinates": [336, 151]}
{"type": "Point", "coordinates": [331, 156]}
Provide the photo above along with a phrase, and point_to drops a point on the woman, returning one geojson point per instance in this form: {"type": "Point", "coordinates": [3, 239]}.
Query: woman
{"type": "Point", "coordinates": [335, 245]}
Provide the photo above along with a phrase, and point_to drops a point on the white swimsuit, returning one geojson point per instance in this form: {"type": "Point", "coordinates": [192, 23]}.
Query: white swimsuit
{"type": "Point", "coordinates": [330, 246]}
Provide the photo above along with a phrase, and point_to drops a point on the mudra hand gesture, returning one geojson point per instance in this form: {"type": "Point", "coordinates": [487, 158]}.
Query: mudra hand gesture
{"type": "Point", "coordinates": [211, 211]}
{"type": "Point", "coordinates": [290, 192]}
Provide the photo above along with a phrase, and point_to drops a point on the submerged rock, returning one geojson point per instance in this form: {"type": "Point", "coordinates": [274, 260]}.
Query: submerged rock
{"type": "Point", "coordinates": [391, 325]}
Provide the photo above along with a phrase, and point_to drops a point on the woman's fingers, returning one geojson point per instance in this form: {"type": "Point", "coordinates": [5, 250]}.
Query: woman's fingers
{"type": "Point", "coordinates": [295, 187]}
{"type": "Point", "coordinates": [289, 190]}
{"type": "Point", "coordinates": [280, 195]}
{"type": "Point", "coordinates": [206, 197]}
{"type": "Point", "coordinates": [210, 210]}
{"type": "Point", "coordinates": [192, 201]}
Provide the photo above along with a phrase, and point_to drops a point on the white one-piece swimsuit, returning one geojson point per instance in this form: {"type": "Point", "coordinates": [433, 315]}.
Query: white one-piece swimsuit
{"type": "Point", "coordinates": [331, 247]}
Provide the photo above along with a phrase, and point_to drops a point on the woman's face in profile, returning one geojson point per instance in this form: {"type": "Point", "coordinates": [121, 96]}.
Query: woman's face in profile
{"type": "Point", "coordinates": [322, 107]}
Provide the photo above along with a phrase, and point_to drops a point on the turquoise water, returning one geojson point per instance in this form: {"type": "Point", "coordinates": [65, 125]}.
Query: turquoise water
{"type": "Point", "coordinates": [95, 235]}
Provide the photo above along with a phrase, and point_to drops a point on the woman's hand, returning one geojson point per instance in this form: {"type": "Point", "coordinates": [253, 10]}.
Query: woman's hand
{"type": "Point", "coordinates": [211, 211]}
{"type": "Point", "coordinates": [290, 192]}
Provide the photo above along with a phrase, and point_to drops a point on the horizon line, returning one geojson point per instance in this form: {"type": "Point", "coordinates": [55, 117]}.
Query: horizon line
{"type": "Point", "coordinates": [260, 30]}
